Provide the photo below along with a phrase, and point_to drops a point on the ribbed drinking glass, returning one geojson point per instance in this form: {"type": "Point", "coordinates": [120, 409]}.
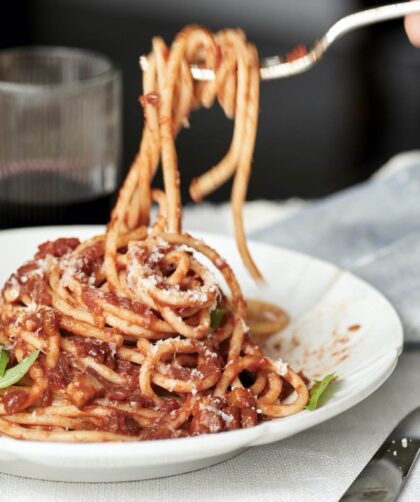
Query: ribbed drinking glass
{"type": "Point", "coordinates": [60, 136]}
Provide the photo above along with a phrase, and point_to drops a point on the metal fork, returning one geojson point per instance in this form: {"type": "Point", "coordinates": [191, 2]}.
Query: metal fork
{"type": "Point", "coordinates": [278, 67]}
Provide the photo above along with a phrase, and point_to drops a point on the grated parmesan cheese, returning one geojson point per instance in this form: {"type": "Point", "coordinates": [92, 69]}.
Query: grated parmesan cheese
{"type": "Point", "coordinates": [195, 373]}
{"type": "Point", "coordinates": [225, 416]}
{"type": "Point", "coordinates": [282, 367]}
{"type": "Point", "coordinates": [244, 325]}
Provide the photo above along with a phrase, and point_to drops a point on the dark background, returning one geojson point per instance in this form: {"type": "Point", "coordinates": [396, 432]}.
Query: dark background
{"type": "Point", "coordinates": [319, 132]}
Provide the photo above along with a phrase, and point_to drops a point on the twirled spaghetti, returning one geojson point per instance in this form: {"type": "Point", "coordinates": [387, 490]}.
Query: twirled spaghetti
{"type": "Point", "coordinates": [137, 338]}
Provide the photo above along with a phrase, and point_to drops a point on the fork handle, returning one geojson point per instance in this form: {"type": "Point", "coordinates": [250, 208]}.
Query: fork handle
{"type": "Point", "coordinates": [274, 68]}
{"type": "Point", "coordinates": [369, 16]}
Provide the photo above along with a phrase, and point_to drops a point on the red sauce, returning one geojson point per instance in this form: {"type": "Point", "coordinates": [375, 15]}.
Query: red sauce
{"type": "Point", "coordinates": [122, 423]}
{"type": "Point", "coordinates": [60, 376]}
{"type": "Point", "coordinates": [90, 298]}
{"type": "Point", "coordinates": [342, 339]}
{"type": "Point", "coordinates": [38, 292]}
{"type": "Point", "coordinates": [296, 53]}
{"type": "Point", "coordinates": [83, 389]}
{"type": "Point", "coordinates": [46, 398]}
{"type": "Point", "coordinates": [123, 366]}
{"type": "Point", "coordinates": [235, 413]}
{"type": "Point", "coordinates": [205, 421]}
{"type": "Point", "coordinates": [118, 394]}
{"type": "Point", "coordinates": [140, 253]}
{"type": "Point", "coordinates": [249, 417]}
{"type": "Point", "coordinates": [27, 268]}
{"type": "Point", "coordinates": [14, 401]}
{"type": "Point", "coordinates": [295, 342]}
{"type": "Point", "coordinates": [31, 283]}
{"type": "Point", "coordinates": [219, 55]}
{"type": "Point", "coordinates": [303, 377]}
{"type": "Point", "coordinates": [125, 394]}
{"type": "Point", "coordinates": [286, 391]}
{"type": "Point", "coordinates": [169, 405]}
{"type": "Point", "coordinates": [17, 344]}
{"type": "Point", "coordinates": [152, 98]}
{"type": "Point", "coordinates": [134, 376]}
{"type": "Point", "coordinates": [102, 352]}
{"type": "Point", "coordinates": [33, 322]}
{"type": "Point", "coordinates": [241, 398]}
{"type": "Point", "coordinates": [92, 258]}
{"type": "Point", "coordinates": [57, 248]}
{"type": "Point", "coordinates": [88, 261]}
{"type": "Point", "coordinates": [126, 303]}
{"type": "Point", "coordinates": [162, 432]}
{"type": "Point", "coordinates": [210, 366]}
{"type": "Point", "coordinates": [178, 372]}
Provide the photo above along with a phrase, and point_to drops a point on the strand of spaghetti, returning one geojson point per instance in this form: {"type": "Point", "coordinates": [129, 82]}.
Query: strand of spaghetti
{"type": "Point", "coordinates": [238, 301]}
{"type": "Point", "coordinates": [221, 172]}
{"type": "Point", "coordinates": [83, 436]}
{"type": "Point", "coordinates": [168, 151]}
{"type": "Point", "coordinates": [48, 420]}
{"type": "Point", "coordinates": [83, 329]}
{"type": "Point", "coordinates": [101, 369]}
{"type": "Point", "coordinates": [265, 319]}
{"type": "Point", "coordinates": [275, 385]}
{"type": "Point", "coordinates": [73, 310]}
{"type": "Point", "coordinates": [50, 327]}
{"type": "Point", "coordinates": [243, 171]}
{"type": "Point", "coordinates": [287, 409]}
{"type": "Point", "coordinates": [102, 408]}
{"type": "Point", "coordinates": [117, 224]}
{"type": "Point", "coordinates": [139, 209]}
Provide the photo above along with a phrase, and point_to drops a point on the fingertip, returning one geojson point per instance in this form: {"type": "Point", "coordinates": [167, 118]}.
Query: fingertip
{"type": "Point", "coordinates": [412, 27]}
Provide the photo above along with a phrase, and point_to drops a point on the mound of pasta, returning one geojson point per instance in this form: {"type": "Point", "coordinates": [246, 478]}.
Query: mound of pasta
{"type": "Point", "coordinates": [143, 332]}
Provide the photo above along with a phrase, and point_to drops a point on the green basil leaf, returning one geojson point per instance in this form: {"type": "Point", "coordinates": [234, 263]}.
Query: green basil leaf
{"type": "Point", "coordinates": [4, 359]}
{"type": "Point", "coordinates": [13, 375]}
{"type": "Point", "coordinates": [216, 317]}
{"type": "Point", "coordinates": [317, 390]}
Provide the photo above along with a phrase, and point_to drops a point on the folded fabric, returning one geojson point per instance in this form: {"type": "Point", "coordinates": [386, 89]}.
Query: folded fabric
{"type": "Point", "coordinates": [372, 229]}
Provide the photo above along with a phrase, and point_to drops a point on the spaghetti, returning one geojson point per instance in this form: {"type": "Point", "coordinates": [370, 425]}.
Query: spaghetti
{"type": "Point", "coordinates": [137, 338]}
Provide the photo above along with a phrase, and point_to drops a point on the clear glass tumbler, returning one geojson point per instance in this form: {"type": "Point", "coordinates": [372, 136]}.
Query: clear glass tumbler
{"type": "Point", "coordinates": [60, 136]}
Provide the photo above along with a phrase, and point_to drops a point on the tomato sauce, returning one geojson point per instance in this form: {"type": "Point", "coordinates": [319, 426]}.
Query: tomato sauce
{"type": "Point", "coordinates": [57, 248]}
{"type": "Point", "coordinates": [14, 401]}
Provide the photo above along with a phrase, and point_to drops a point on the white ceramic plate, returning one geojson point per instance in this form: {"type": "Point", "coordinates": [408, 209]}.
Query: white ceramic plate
{"type": "Point", "coordinates": [339, 323]}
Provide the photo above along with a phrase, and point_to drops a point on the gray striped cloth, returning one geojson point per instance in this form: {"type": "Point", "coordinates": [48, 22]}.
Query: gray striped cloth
{"type": "Point", "coordinates": [371, 229]}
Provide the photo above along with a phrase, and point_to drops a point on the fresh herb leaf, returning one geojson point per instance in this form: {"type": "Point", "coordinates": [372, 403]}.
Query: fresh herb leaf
{"type": "Point", "coordinates": [4, 359]}
{"type": "Point", "coordinates": [13, 375]}
{"type": "Point", "coordinates": [216, 317]}
{"type": "Point", "coordinates": [317, 390]}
